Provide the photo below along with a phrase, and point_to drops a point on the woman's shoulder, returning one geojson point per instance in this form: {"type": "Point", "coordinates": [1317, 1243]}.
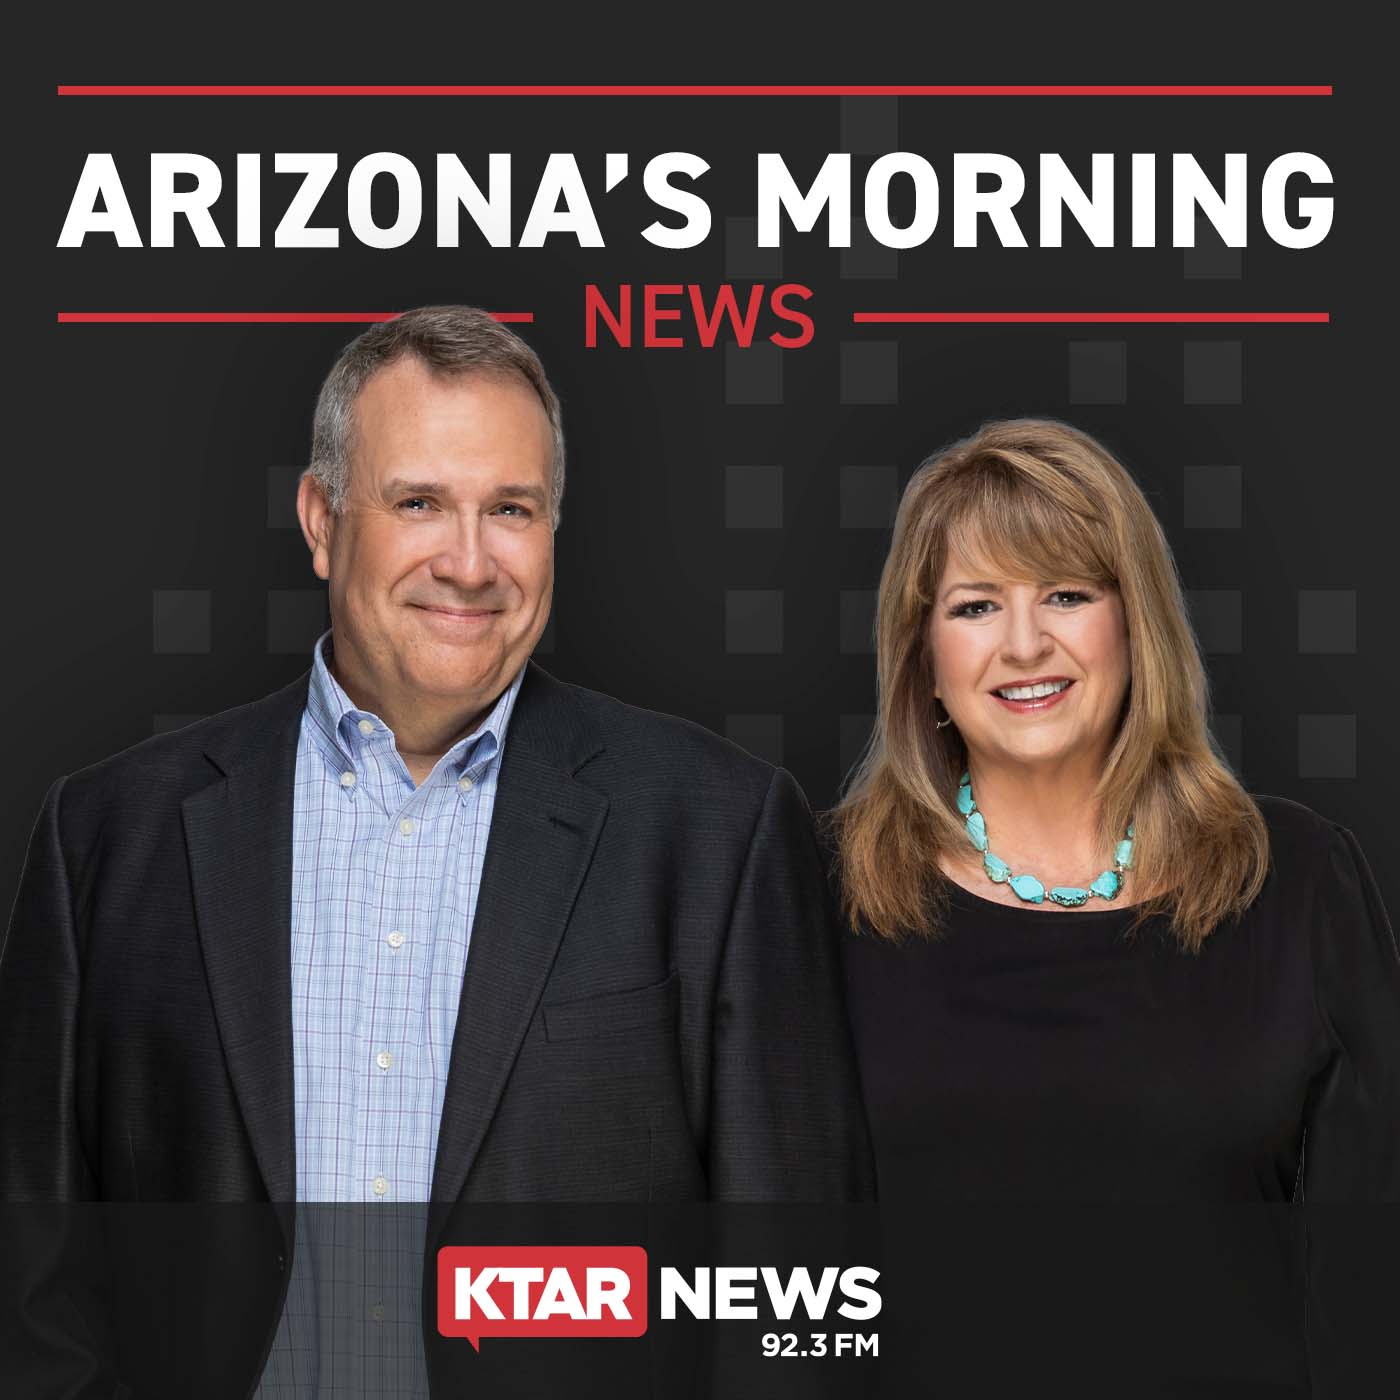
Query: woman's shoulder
{"type": "Point", "coordinates": [1294, 828]}
{"type": "Point", "coordinates": [1312, 853]}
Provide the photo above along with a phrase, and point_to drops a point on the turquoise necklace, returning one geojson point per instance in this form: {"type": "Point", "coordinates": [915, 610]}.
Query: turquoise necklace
{"type": "Point", "coordinates": [1027, 887]}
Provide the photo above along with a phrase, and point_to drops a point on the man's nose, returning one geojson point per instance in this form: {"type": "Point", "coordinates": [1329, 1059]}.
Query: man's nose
{"type": "Point", "coordinates": [465, 558]}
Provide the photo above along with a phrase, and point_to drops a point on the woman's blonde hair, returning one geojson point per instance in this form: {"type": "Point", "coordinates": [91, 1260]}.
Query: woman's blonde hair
{"type": "Point", "coordinates": [1044, 500]}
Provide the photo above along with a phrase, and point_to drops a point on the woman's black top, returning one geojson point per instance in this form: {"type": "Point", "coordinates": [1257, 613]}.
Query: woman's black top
{"type": "Point", "coordinates": [1026, 1055]}
{"type": "Point", "coordinates": [1026, 1065]}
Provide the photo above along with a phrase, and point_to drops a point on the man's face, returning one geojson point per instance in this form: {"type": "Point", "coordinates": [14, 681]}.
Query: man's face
{"type": "Point", "coordinates": [441, 565]}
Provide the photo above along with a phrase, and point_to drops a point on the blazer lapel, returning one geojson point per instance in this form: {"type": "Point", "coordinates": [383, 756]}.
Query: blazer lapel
{"type": "Point", "coordinates": [544, 828]}
{"type": "Point", "coordinates": [239, 834]}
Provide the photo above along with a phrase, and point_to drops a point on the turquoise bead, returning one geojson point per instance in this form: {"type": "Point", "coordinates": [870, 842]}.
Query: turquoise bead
{"type": "Point", "coordinates": [997, 869]}
{"type": "Point", "coordinates": [1027, 887]}
{"type": "Point", "coordinates": [1106, 886]}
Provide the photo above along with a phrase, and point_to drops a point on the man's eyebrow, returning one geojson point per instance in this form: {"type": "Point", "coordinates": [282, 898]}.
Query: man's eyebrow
{"type": "Point", "coordinates": [523, 489]}
{"type": "Point", "coordinates": [401, 486]}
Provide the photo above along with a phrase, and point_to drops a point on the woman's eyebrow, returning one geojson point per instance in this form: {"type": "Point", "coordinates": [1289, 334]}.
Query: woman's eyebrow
{"type": "Point", "coordinates": [981, 587]}
{"type": "Point", "coordinates": [986, 587]}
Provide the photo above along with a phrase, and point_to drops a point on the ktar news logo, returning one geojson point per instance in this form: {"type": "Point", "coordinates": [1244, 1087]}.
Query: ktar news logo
{"type": "Point", "coordinates": [587, 1291]}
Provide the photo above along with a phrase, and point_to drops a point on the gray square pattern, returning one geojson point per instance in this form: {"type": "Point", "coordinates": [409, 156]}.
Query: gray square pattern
{"type": "Point", "coordinates": [761, 735]}
{"type": "Point", "coordinates": [869, 496]}
{"type": "Point", "coordinates": [743, 258]}
{"type": "Point", "coordinates": [867, 258]}
{"type": "Point", "coordinates": [753, 374]}
{"type": "Point", "coordinates": [753, 498]}
{"type": "Point", "coordinates": [858, 620]}
{"type": "Point", "coordinates": [1213, 371]}
{"type": "Point", "coordinates": [1214, 498]}
{"type": "Point", "coordinates": [869, 125]}
{"type": "Point", "coordinates": [753, 621]}
{"type": "Point", "coordinates": [1218, 617]}
{"type": "Point", "coordinates": [1327, 621]}
{"type": "Point", "coordinates": [181, 621]}
{"type": "Point", "coordinates": [1098, 371]}
{"type": "Point", "coordinates": [1211, 258]}
{"type": "Point", "coordinates": [1326, 746]}
{"type": "Point", "coordinates": [282, 498]}
{"type": "Point", "coordinates": [869, 371]}
{"type": "Point", "coordinates": [295, 618]}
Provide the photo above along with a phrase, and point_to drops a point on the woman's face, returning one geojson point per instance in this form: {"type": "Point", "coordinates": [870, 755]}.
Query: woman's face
{"type": "Point", "coordinates": [1030, 672]}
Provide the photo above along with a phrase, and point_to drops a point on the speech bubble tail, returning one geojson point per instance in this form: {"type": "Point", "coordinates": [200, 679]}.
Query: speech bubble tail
{"type": "Point", "coordinates": [476, 1343]}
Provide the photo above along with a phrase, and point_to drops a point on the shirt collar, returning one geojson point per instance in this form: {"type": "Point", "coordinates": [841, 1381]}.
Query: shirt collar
{"type": "Point", "coordinates": [338, 724]}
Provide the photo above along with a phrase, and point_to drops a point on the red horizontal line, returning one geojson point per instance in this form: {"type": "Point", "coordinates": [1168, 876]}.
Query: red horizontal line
{"type": "Point", "coordinates": [696, 90]}
{"type": "Point", "coordinates": [1224, 318]}
{"type": "Point", "coordinates": [251, 317]}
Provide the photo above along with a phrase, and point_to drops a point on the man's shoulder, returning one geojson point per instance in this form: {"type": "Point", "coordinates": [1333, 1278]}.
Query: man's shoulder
{"type": "Point", "coordinates": [186, 758]}
{"type": "Point", "coordinates": [655, 747]}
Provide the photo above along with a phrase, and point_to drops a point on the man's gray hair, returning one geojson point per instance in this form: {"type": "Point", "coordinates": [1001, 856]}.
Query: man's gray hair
{"type": "Point", "coordinates": [450, 340]}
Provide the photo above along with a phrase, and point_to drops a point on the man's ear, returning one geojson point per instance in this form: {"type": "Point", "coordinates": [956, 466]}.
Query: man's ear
{"type": "Point", "coordinates": [317, 523]}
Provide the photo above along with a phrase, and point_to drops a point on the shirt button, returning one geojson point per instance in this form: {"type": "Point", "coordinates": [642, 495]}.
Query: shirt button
{"type": "Point", "coordinates": [381, 1185]}
{"type": "Point", "coordinates": [406, 826]}
{"type": "Point", "coordinates": [384, 1059]}
{"type": "Point", "coordinates": [395, 939]}
{"type": "Point", "coordinates": [377, 1312]}
{"type": "Point", "coordinates": [465, 784]}
{"type": "Point", "coordinates": [366, 726]}
{"type": "Point", "coordinates": [347, 780]}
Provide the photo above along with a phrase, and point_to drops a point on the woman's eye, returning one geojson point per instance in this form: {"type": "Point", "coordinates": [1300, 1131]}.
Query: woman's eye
{"type": "Point", "coordinates": [1071, 597]}
{"type": "Point", "coordinates": [976, 608]}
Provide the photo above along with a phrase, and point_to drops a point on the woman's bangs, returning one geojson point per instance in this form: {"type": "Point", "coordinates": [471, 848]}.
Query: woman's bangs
{"type": "Point", "coordinates": [1013, 527]}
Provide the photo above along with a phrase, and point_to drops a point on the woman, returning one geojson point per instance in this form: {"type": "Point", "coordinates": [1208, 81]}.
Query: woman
{"type": "Point", "coordinates": [1088, 966]}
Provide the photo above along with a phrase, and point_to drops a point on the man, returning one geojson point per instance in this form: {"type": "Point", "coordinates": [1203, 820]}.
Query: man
{"type": "Point", "coordinates": [427, 924]}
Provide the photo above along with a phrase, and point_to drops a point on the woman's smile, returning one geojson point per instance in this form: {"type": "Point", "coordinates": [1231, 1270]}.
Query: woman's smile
{"type": "Point", "coordinates": [1032, 697]}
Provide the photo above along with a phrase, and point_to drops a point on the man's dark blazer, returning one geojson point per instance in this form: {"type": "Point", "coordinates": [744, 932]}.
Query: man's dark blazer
{"type": "Point", "coordinates": [651, 1008]}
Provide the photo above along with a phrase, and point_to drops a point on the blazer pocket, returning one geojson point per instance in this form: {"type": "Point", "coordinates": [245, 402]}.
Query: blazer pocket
{"type": "Point", "coordinates": [613, 1012]}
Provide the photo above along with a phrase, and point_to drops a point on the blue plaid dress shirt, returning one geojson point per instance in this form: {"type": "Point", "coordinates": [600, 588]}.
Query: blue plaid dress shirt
{"type": "Point", "coordinates": [385, 879]}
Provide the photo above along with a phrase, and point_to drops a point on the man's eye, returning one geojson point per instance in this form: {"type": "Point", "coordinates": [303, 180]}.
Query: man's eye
{"type": "Point", "coordinates": [513, 508]}
{"type": "Point", "coordinates": [412, 501]}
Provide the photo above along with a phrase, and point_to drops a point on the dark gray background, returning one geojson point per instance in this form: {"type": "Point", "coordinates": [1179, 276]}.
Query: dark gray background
{"type": "Point", "coordinates": [727, 510]}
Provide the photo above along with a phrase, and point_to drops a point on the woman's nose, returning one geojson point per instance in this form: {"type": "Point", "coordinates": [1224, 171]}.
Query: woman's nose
{"type": "Point", "coordinates": [1025, 639]}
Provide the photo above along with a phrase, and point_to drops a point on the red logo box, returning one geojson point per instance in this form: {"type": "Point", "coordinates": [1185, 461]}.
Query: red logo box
{"type": "Point", "coordinates": [541, 1291]}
